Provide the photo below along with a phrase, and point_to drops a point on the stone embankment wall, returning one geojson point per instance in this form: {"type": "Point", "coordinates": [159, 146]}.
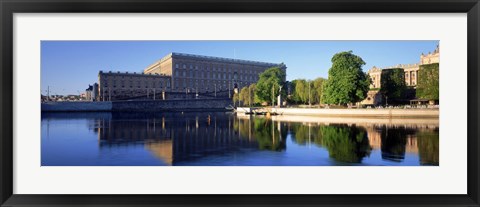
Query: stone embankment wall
{"type": "Point", "coordinates": [77, 106]}
{"type": "Point", "coordinates": [172, 105]}
{"type": "Point", "coordinates": [149, 105]}
{"type": "Point", "coordinates": [353, 112]}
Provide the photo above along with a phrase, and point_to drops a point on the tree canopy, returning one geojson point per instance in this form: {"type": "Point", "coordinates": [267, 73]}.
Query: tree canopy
{"type": "Point", "coordinates": [346, 82]}
{"type": "Point", "coordinates": [247, 95]}
{"type": "Point", "coordinates": [272, 78]}
{"type": "Point", "coordinates": [393, 83]}
{"type": "Point", "coordinates": [307, 91]}
{"type": "Point", "coordinates": [428, 81]}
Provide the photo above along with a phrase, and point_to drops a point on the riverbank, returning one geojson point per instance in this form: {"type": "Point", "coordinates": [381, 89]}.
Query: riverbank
{"type": "Point", "coordinates": [138, 106]}
{"type": "Point", "coordinates": [347, 112]}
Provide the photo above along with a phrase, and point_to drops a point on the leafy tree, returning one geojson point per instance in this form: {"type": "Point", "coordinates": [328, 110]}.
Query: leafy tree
{"type": "Point", "coordinates": [346, 83]}
{"type": "Point", "coordinates": [428, 77]}
{"type": "Point", "coordinates": [272, 78]}
{"type": "Point", "coordinates": [317, 89]}
{"type": "Point", "coordinates": [301, 91]}
{"type": "Point", "coordinates": [251, 94]}
{"type": "Point", "coordinates": [393, 83]}
{"type": "Point", "coordinates": [244, 96]}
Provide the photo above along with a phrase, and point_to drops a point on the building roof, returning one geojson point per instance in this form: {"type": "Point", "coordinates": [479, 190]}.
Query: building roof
{"type": "Point", "coordinates": [220, 59]}
{"type": "Point", "coordinates": [212, 58]}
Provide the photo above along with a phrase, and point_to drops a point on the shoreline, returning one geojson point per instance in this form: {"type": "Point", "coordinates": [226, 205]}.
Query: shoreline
{"type": "Point", "coordinates": [363, 113]}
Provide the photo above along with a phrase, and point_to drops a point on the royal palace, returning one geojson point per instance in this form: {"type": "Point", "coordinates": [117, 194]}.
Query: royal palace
{"type": "Point", "coordinates": [180, 75]}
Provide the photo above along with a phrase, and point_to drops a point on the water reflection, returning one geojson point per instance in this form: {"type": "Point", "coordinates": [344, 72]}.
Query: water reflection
{"type": "Point", "coordinates": [226, 139]}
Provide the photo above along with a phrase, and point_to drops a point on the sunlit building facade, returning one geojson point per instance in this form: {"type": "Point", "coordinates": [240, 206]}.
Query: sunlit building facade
{"type": "Point", "coordinates": [207, 74]}
{"type": "Point", "coordinates": [410, 71]}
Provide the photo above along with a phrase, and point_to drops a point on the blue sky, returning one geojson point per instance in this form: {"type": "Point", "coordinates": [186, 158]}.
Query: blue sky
{"type": "Point", "coordinates": [69, 66]}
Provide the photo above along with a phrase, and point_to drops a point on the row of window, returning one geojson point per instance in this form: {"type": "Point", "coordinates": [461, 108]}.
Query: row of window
{"type": "Point", "coordinates": [159, 84]}
{"type": "Point", "coordinates": [213, 75]}
{"type": "Point", "coordinates": [204, 83]}
{"type": "Point", "coordinates": [213, 68]}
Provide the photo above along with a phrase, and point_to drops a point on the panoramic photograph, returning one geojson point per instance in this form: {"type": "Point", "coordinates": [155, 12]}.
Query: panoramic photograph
{"type": "Point", "coordinates": [240, 103]}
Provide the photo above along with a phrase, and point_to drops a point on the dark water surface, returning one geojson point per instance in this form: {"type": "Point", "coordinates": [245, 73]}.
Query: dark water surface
{"type": "Point", "coordinates": [224, 139]}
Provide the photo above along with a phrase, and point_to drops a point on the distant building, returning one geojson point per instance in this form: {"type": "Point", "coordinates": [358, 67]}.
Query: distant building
{"type": "Point", "coordinates": [411, 76]}
{"type": "Point", "coordinates": [91, 93]}
{"type": "Point", "coordinates": [207, 74]}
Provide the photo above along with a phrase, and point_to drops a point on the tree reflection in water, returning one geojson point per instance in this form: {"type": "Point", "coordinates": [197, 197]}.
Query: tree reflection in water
{"type": "Point", "coordinates": [345, 143]}
{"type": "Point", "coordinates": [394, 140]}
{"type": "Point", "coordinates": [428, 147]}
{"type": "Point", "coordinates": [268, 137]}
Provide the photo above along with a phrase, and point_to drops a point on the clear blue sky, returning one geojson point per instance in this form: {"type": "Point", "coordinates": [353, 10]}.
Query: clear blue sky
{"type": "Point", "coordinates": [69, 66]}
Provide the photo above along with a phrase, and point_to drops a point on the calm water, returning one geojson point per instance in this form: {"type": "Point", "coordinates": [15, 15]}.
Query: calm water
{"type": "Point", "coordinates": [193, 139]}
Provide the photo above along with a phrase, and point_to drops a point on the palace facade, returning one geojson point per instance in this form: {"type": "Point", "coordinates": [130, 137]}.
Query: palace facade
{"type": "Point", "coordinates": [207, 74]}
{"type": "Point", "coordinates": [179, 75]}
{"type": "Point", "coordinates": [411, 75]}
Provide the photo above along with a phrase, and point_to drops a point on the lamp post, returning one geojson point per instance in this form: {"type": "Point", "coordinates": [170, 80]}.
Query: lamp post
{"type": "Point", "coordinates": [309, 102]}
{"type": "Point", "coordinates": [238, 92]}
{"type": "Point", "coordinates": [273, 95]}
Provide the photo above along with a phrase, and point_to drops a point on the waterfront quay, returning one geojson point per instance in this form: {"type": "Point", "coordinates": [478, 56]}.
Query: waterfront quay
{"type": "Point", "coordinates": [386, 112]}
{"type": "Point", "coordinates": [138, 105]}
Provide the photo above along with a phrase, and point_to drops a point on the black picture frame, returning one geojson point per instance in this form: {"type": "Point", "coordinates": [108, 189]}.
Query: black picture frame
{"type": "Point", "coordinates": [10, 7]}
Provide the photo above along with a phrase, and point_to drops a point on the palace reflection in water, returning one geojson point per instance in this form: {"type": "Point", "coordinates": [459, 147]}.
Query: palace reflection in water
{"type": "Point", "coordinates": [205, 139]}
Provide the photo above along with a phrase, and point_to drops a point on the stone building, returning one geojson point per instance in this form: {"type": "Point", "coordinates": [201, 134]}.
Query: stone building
{"type": "Point", "coordinates": [208, 74]}
{"type": "Point", "coordinates": [125, 85]}
{"type": "Point", "coordinates": [180, 76]}
{"type": "Point", "coordinates": [411, 75]}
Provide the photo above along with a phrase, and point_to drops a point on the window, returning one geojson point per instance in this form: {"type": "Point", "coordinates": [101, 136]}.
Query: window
{"type": "Point", "coordinates": [184, 73]}
{"type": "Point", "coordinates": [191, 66]}
{"type": "Point", "coordinates": [176, 66]}
{"type": "Point", "coordinates": [184, 66]}
{"type": "Point", "coordinates": [176, 72]}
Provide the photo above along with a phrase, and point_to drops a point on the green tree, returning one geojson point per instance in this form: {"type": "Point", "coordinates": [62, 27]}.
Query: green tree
{"type": "Point", "coordinates": [272, 78]}
{"type": "Point", "coordinates": [317, 89]}
{"type": "Point", "coordinates": [346, 83]}
{"type": "Point", "coordinates": [251, 94]}
{"type": "Point", "coordinates": [393, 83]}
{"type": "Point", "coordinates": [301, 91]}
{"type": "Point", "coordinates": [428, 77]}
{"type": "Point", "coordinates": [244, 96]}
